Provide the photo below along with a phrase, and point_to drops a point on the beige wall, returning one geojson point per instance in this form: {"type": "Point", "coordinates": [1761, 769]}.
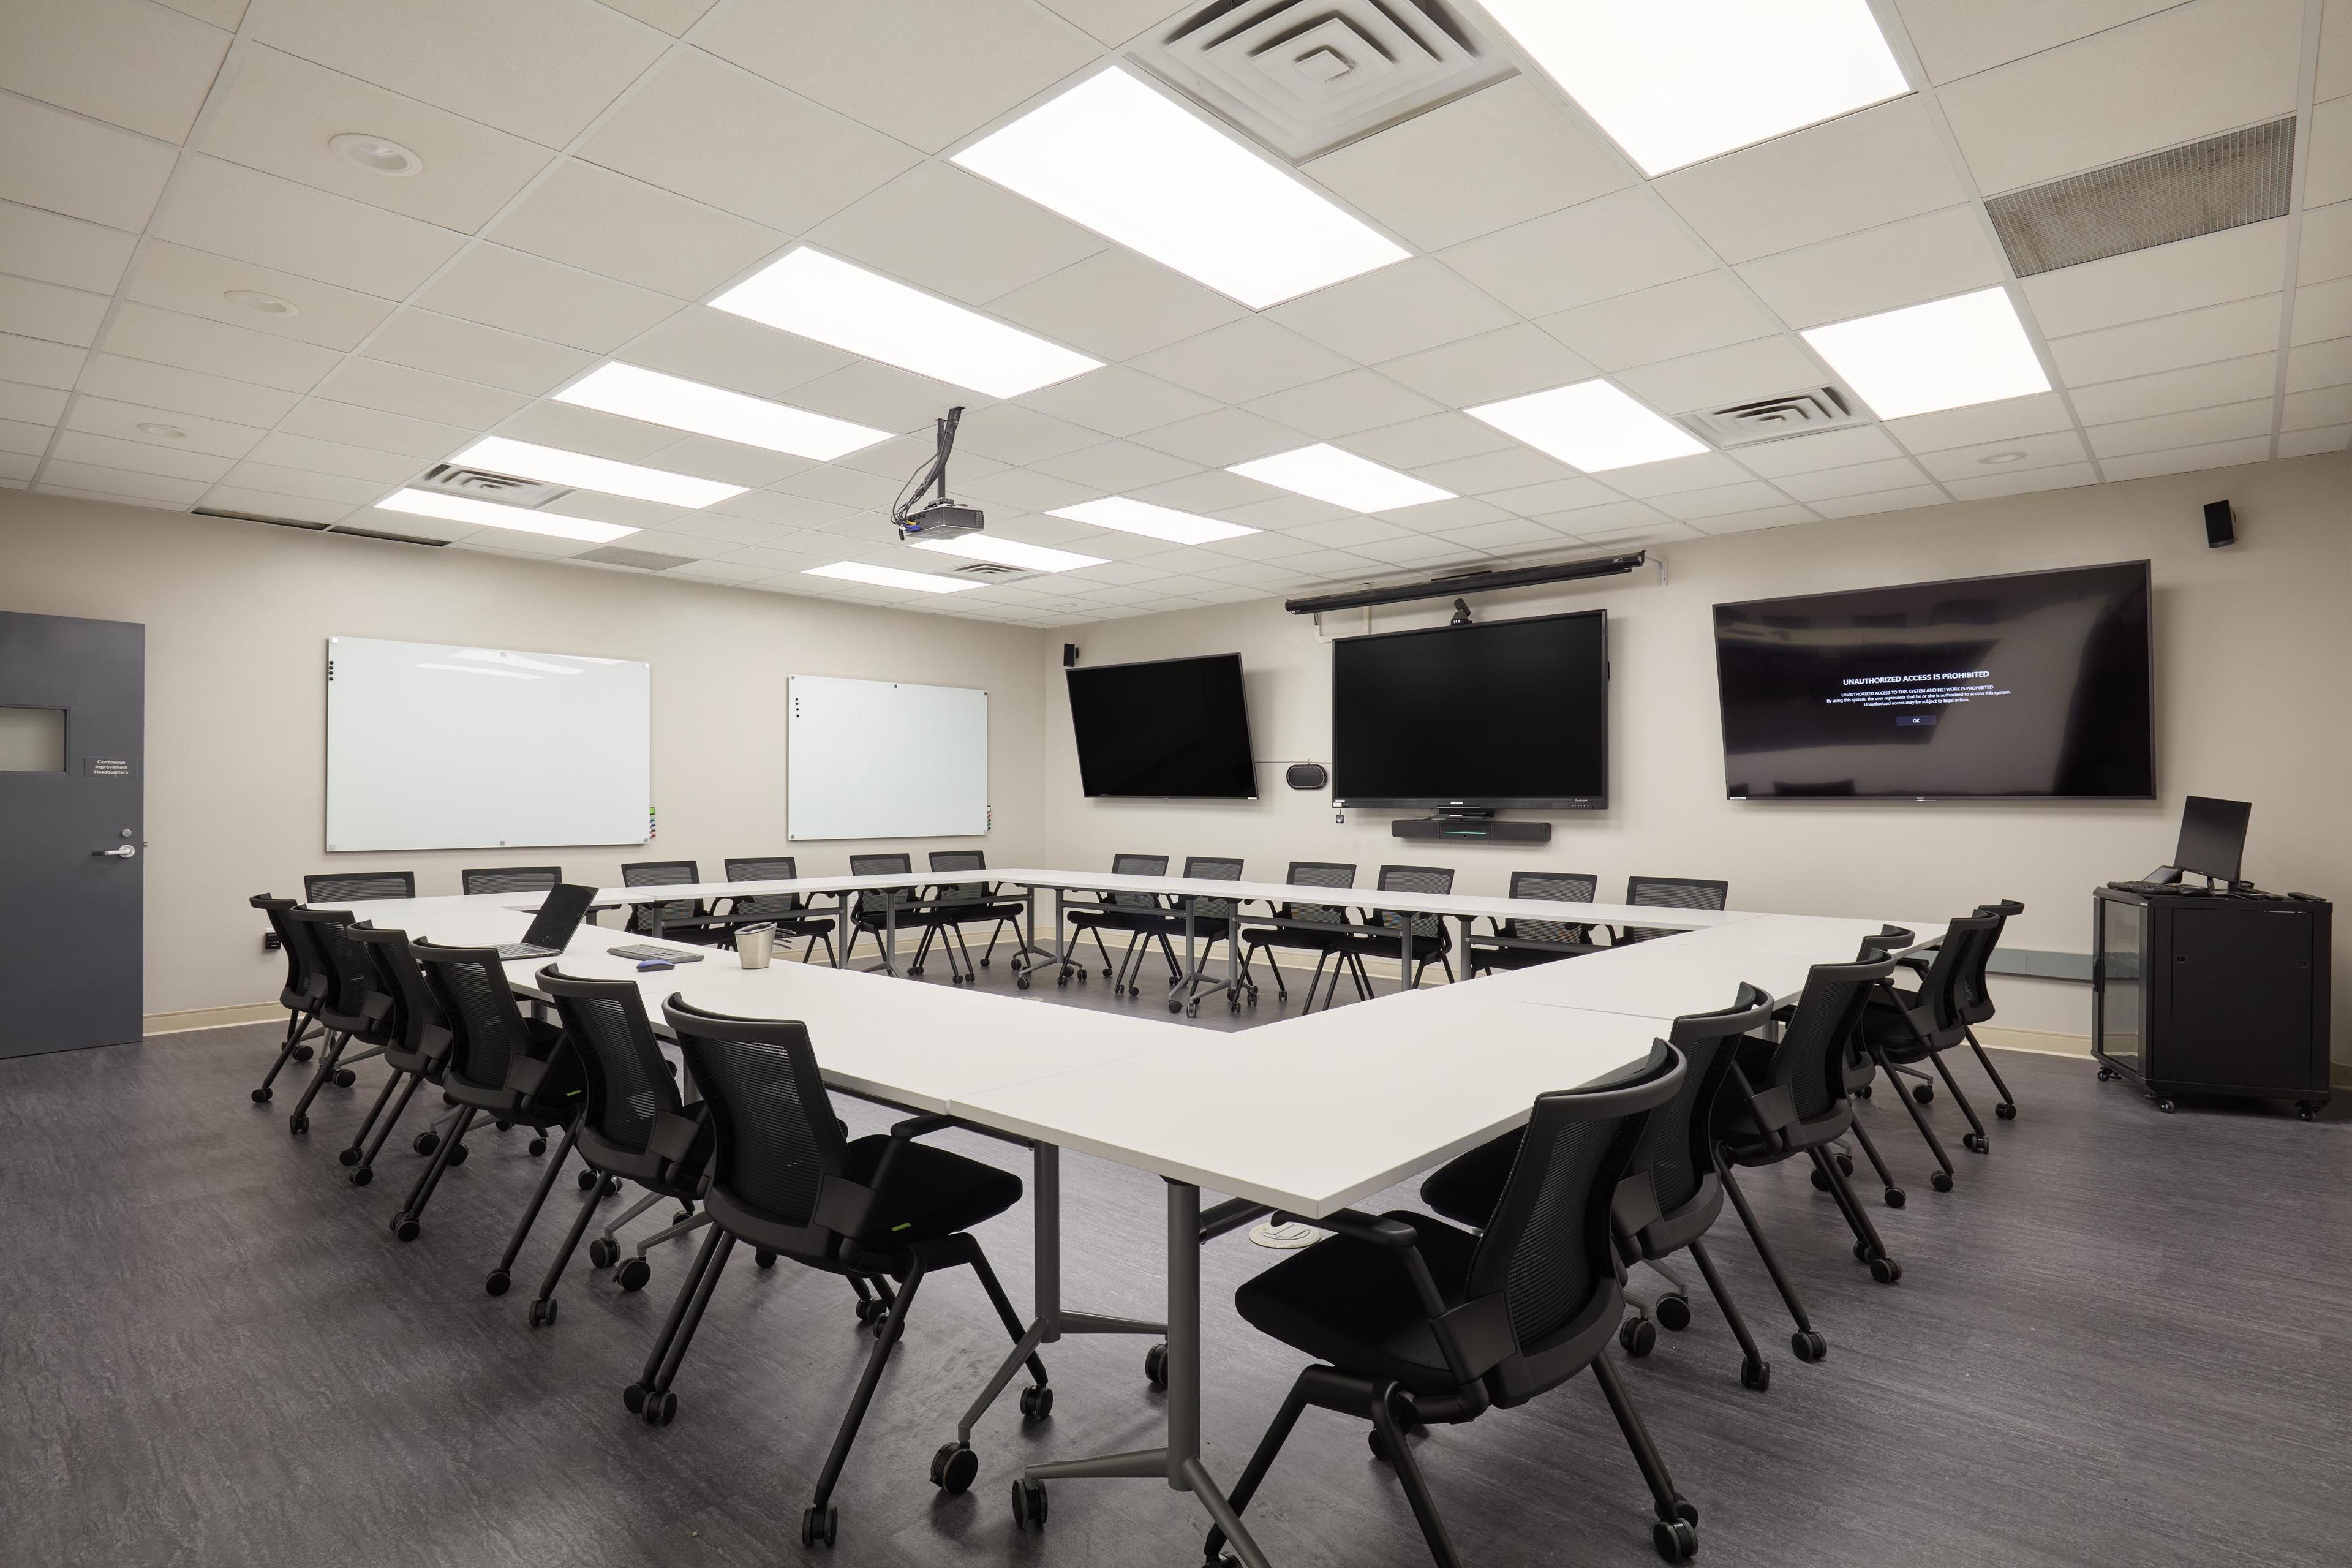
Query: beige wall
{"type": "Point", "coordinates": [2254, 650]}
{"type": "Point", "coordinates": [238, 615]}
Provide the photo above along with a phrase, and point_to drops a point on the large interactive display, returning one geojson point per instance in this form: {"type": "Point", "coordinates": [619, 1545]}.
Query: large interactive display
{"type": "Point", "coordinates": [1175, 729]}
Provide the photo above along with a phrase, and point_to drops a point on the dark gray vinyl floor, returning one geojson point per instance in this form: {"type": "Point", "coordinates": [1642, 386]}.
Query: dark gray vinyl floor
{"type": "Point", "coordinates": [2127, 1339]}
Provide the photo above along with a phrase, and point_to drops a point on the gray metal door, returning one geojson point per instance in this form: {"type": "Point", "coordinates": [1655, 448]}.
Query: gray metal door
{"type": "Point", "coordinates": [73, 706]}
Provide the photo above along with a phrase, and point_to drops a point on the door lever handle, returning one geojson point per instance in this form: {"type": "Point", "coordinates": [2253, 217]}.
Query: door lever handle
{"type": "Point", "coordinates": [122, 853]}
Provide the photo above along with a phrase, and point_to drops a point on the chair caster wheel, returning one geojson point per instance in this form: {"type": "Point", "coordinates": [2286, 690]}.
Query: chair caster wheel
{"type": "Point", "coordinates": [819, 1526]}
{"type": "Point", "coordinates": [1028, 1505]}
{"type": "Point", "coordinates": [406, 1228]}
{"type": "Point", "coordinates": [612, 1189]}
{"type": "Point", "coordinates": [1821, 1181]}
{"type": "Point", "coordinates": [983, 964]}
{"type": "Point", "coordinates": [634, 1274]}
{"type": "Point", "coordinates": [345, 1078]}
{"type": "Point", "coordinates": [954, 1468]}
{"type": "Point", "coordinates": [426, 1142]}
{"type": "Point", "coordinates": [1685, 1510]}
{"type": "Point", "coordinates": [542, 1314]}
{"type": "Point", "coordinates": [363, 1175]}
{"type": "Point", "coordinates": [261, 1096]}
{"type": "Point", "coordinates": [457, 1156]}
{"type": "Point", "coordinates": [633, 1396]}
{"type": "Point", "coordinates": [679, 1216]}
{"type": "Point", "coordinates": [868, 1309]}
{"type": "Point", "coordinates": [1036, 1402]}
{"type": "Point", "coordinates": [2167, 1106]}
{"type": "Point", "coordinates": [347, 1157]}
{"type": "Point", "coordinates": [1638, 1335]}
{"type": "Point", "coordinates": [1756, 1375]}
{"type": "Point", "coordinates": [304, 1053]}
{"type": "Point", "coordinates": [1862, 1252]}
{"type": "Point", "coordinates": [2105, 1073]}
{"type": "Point", "coordinates": [1022, 983]}
{"type": "Point", "coordinates": [503, 1126]}
{"type": "Point", "coordinates": [497, 1283]}
{"type": "Point", "coordinates": [764, 1258]}
{"type": "Point", "coordinates": [1941, 1181]}
{"type": "Point", "coordinates": [1676, 1539]}
{"type": "Point", "coordinates": [1062, 979]}
{"type": "Point", "coordinates": [1155, 1366]}
{"type": "Point", "coordinates": [1924, 1093]}
{"type": "Point", "coordinates": [1377, 1443]}
{"type": "Point", "coordinates": [537, 1147]}
{"type": "Point", "coordinates": [2005, 1111]}
{"type": "Point", "coordinates": [587, 1180]}
{"type": "Point", "coordinates": [1886, 1271]}
{"type": "Point", "coordinates": [1863, 1093]}
{"type": "Point", "coordinates": [297, 1124]}
{"type": "Point", "coordinates": [1809, 1344]}
{"type": "Point", "coordinates": [604, 1252]}
{"type": "Point", "coordinates": [1175, 1006]}
{"type": "Point", "coordinates": [917, 971]}
{"type": "Point", "coordinates": [1974, 1142]}
{"type": "Point", "coordinates": [1673, 1313]}
{"type": "Point", "coordinates": [1895, 1197]}
{"type": "Point", "coordinates": [660, 1408]}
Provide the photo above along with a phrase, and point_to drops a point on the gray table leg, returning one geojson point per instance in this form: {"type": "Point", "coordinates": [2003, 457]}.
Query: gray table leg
{"type": "Point", "coordinates": [841, 951]}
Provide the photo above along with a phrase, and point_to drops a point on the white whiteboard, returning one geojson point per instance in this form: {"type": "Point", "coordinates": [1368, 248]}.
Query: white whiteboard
{"type": "Point", "coordinates": [885, 758]}
{"type": "Point", "coordinates": [443, 746]}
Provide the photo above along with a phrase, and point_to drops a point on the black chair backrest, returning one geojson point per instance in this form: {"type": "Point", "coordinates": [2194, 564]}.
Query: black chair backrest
{"type": "Point", "coordinates": [1943, 990]}
{"type": "Point", "coordinates": [358, 886]}
{"type": "Point", "coordinates": [766, 906]}
{"type": "Point", "coordinates": [509, 878]}
{"type": "Point", "coordinates": [1671, 893]}
{"type": "Point", "coordinates": [1318, 874]}
{"type": "Point", "coordinates": [661, 874]}
{"type": "Point", "coordinates": [1415, 879]}
{"type": "Point", "coordinates": [962, 860]}
{"type": "Point", "coordinates": [410, 1009]}
{"type": "Point", "coordinates": [1675, 1162]}
{"type": "Point", "coordinates": [628, 1083]}
{"type": "Point", "coordinates": [1135, 866]}
{"type": "Point", "coordinates": [300, 965]}
{"type": "Point", "coordinates": [777, 1142]}
{"type": "Point", "coordinates": [1975, 992]}
{"type": "Point", "coordinates": [873, 905]}
{"type": "Point", "coordinates": [477, 1005]}
{"type": "Point", "coordinates": [1809, 1060]}
{"type": "Point", "coordinates": [1550, 1251]}
{"type": "Point", "coordinates": [1213, 868]}
{"type": "Point", "coordinates": [342, 966]}
{"type": "Point", "coordinates": [1560, 887]}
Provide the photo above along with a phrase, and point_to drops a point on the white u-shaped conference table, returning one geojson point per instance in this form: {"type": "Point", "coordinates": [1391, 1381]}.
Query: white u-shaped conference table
{"type": "Point", "coordinates": [1401, 1084]}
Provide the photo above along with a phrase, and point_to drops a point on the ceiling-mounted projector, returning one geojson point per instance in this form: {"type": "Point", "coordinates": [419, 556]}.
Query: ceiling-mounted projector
{"type": "Point", "coordinates": [938, 518]}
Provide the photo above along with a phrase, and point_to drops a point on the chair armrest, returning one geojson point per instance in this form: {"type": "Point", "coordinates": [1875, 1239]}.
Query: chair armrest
{"type": "Point", "coordinates": [433, 1043]}
{"type": "Point", "coordinates": [1913, 961]}
{"type": "Point", "coordinates": [903, 1133]}
{"type": "Point", "coordinates": [1773, 1129]}
{"type": "Point", "coordinates": [1377, 1229]}
{"type": "Point", "coordinates": [674, 1133]}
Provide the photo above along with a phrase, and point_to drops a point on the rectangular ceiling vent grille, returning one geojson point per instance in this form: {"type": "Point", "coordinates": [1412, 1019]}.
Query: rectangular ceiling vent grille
{"type": "Point", "coordinates": [2177, 194]}
{"type": "Point", "coordinates": [482, 484]}
{"type": "Point", "coordinates": [1770, 418]}
{"type": "Point", "coordinates": [1304, 76]}
{"type": "Point", "coordinates": [990, 571]}
{"type": "Point", "coordinates": [642, 560]}
{"type": "Point", "coordinates": [309, 527]}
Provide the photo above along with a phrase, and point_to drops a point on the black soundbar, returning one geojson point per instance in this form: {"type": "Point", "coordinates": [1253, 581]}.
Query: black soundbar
{"type": "Point", "coordinates": [1480, 829]}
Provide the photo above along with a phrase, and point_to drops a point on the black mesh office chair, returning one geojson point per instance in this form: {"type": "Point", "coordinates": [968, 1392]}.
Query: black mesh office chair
{"type": "Point", "coordinates": [509, 878]}
{"type": "Point", "coordinates": [1136, 914]}
{"type": "Point", "coordinates": [1669, 893]}
{"type": "Point", "coordinates": [1567, 939]}
{"type": "Point", "coordinates": [1903, 1028]}
{"type": "Point", "coordinates": [635, 1124]}
{"type": "Point", "coordinates": [1862, 1071]}
{"type": "Point", "coordinates": [515, 1070]}
{"type": "Point", "coordinates": [1212, 922]}
{"type": "Point", "coordinates": [1668, 1200]}
{"type": "Point", "coordinates": [879, 910]}
{"type": "Point", "coordinates": [951, 906]}
{"type": "Point", "coordinates": [305, 988]}
{"type": "Point", "coordinates": [1325, 945]}
{"type": "Point", "coordinates": [679, 920]}
{"type": "Point", "coordinates": [788, 912]}
{"type": "Point", "coordinates": [358, 886]}
{"type": "Point", "coordinates": [1787, 1097]}
{"type": "Point", "coordinates": [784, 1179]}
{"type": "Point", "coordinates": [1432, 939]}
{"type": "Point", "coordinates": [1413, 1320]}
{"type": "Point", "coordinates": [416, 1045]}
{"type": "Point", "coordinates": [1975, 999]}
{"type": "Point", "coordinates": [342, 1010]}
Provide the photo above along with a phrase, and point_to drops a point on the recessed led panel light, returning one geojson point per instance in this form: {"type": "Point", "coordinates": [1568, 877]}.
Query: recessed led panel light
{"type": "Point", "coordinates": [1136, 167]}
{"type": "Point", "coordinates": [825, 298]}
{"type": "Point", "coordinates": [1678, 80]}
{"type": "Point", "coordinates": [1590, 424]}
{"type": "Point", "coordinates": [1009, 552]}
{"type": "Point", "coordinates": [554, 465]}
{"type": "Point", "coordinates": [889, 577]}
{"type": "Point", "coordinates": [1152, 522]}
{"type": "Point", "coordinates": [1947, 353]}
{"type": "Point", "coordinates": [1326, 473]}
{"type": "Point", "coordinates": [486, 514]}
{"type": "Point", "coordinates": [684, 405]}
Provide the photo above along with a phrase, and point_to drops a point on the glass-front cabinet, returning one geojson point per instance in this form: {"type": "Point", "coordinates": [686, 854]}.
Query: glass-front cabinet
{"type": "Point", "coordinates": [2119, 998]}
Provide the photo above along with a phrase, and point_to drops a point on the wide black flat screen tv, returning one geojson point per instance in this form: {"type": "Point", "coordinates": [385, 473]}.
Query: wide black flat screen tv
{"type": "Point", "coordinates": [2036, 686]}
{"type": "Point", "coordinates": [1175, 729]}
{"type": "Point", "coordinates": [1508, 714]}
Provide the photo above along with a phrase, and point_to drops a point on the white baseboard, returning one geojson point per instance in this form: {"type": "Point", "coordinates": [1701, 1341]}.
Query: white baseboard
{"type": "Point", "coordinates": [2038, 1041]}
{"type": "Point", "coordinates": [214, 1017]}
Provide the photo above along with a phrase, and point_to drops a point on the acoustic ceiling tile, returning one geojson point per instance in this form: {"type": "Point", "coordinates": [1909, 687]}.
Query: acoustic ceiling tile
{"type": "Point", "coordinates": [131, 64]}
{"type": "Point", "coordinates": [2186, 460]}
{"type": "Point", "coordinates": [2197, 426]}
{"type": "Point", "coordinates": [1961, 38]}
{"type": "Point", "coordinates": [516, 292]}
{"type": "Point", "coordinates": [2210, 269]}
{"type": "Point", "coordinates": [1396, 311]}
{"type": "Point", "coordinates": [23, 403]}
{"type": "Point", "coordinates": [2168, 343]}
{"type": "Point", "coordinates": [1740, 373]}
{"type": "Point", "coordinates": [143, 332]}
{"type": "Point", "coordinates": [1676, 474]}
{"type": "Point", "coordinates": [38, 362]}
{"type": "Point", "coordinates": [1244, 359]}
{"type": "Point", "coordinates": [1117, 401]}
{"type": "Point", "coordinates": [1907, 262]}
{"type": "Point", "coordinates": [2327, 250]}
{"type": "Point", "coordinates": [2307, 443]}
{"type": "Point", "coordinates": [1506, 363]}
{"type": "Point", "coordinates": [54, 249]}
{"type": "Point", "coordinates": [199, 283]}
{"type": "Point", "coordinates": [1226, 435]}
{"type": "Point", "coordinates": [592, 218]}
{"type": "Point", "coordinates": [418, 395]}
{"type": "Point", "coordinates": [31, 310]}
{"type": "Point", "coordinates": [300, 482]}
{"type": "Point", "coordinates": [424, 340]}
{"type": "Point", "coordinates": [881, 396]}
{"type": "Point", "coordinates": [318, 456]}
{"type": "Point", "coordinates": [2321, 406]}
{"type": "Point", "coordinates": [1608, 247]}
{"type": "Point", "coordinates": [955, 234]}
{"type": "Point", "coordinates": [2059, 477]}
{"type": "Point", "coordinates": [1433, 438]}
{"type": "Point", "coordinates": [2042, 412]}
{"type": "Point", "coordinates": [2316, 365]}
{"type": "Point", "coordinates": [1810, 453]}
{"type": "Point", "coordinates": [1509, 468]}
{"type": "Point", "coordinates": [1115, 305]}
{"type": "Point", "coordinates": [1115, 466]}
{"type": "Point", "coordinates": [1829, 484]}
{"type": "Point", "coordinates": [1009, 433]}
{"type": "Point", "coordinates": [61, 477]}
{"type": "Point", "coordinates": [1707, 310]}
{"type": "Point", "coordinates": [2175, 391]}
{"type": "Point", "coordinates": [107, 416]}
{"type": "Point", "coordinates": [65, 163]}
{"type": "Point", "coordinates": [1718, 501]}
{"type": "Point", "coordinates": [2322, 310]}
{"type": "Point", "coordinates": [329, 420]}
{"type": "Point", "coordinates": [179, 390]}
{"type": "Point", "coordinates": [2013, 454]}
{"type": "Point", "coordinates": [1908, 499]}
{"type": "Point", "coordinates": [231, 210]}
{"type": "Point", "coordinates": [136, 456]}
{"type": "Point", "coordinates": [1343, 404]}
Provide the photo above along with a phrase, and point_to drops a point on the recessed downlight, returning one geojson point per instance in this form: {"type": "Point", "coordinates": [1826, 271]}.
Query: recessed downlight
{"type": "Point", "coordinates": [2003, 457]}
{"type": "Point", "coordinates": [376, 154]}
{"type": "Point", "coordinates": [168, 432]}
{"type": "Point", "coordinates": [265, 304]}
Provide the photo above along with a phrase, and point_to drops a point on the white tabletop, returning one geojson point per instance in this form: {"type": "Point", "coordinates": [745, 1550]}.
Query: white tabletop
{"type": "Point", "coordinates": [1812, 935]}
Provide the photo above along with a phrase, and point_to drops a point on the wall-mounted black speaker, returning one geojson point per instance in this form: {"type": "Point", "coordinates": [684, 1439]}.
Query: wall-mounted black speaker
{"type": "Point", "coordinates": [1069, 655]}
{"type": "Point", "coordinates": [1306, 775]}
{"type": "Point", "coordinates": [2221, 524]}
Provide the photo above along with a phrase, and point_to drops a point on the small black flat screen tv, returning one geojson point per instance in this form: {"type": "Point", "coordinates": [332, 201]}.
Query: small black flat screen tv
{"type": "Point", "coordinates": [1508, 714]}
{"type": "Point", "coordinates": [1176, 728]}
{"type": "Point", "coordinates": [2035, 686]}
